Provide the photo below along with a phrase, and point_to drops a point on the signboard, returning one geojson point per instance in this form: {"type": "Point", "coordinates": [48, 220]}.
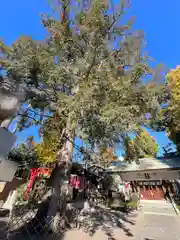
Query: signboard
{"type": "Point", "coordinates": [149, 183]}
{"type": "Point", "coordinates": [7, 170]}
{"type": "Point", "coordinates": [162, 174]}
{"type": "Point", "coordinates": [7, 139]}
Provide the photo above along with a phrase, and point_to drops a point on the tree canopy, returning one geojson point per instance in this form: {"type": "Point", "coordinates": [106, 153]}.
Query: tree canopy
{"type": "Point", "coordinates": [172, 112]}
{"type": "Point", "coordinates": [142, 146]}
{"type": "Point", "coordinates": [107, 157]}
{"type": "Point", "coordinates": [25, 155]}
{"type": "Point", "coordinates": [169, 115]}
{"type": "Point", "coordinates": [90, 69]}
{"type": "Point", "coordinates": [50, 133]}
{"type": "Point", "coordinates": [145, 144]}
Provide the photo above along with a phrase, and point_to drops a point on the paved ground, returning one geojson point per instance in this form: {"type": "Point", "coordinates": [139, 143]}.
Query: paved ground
{"type": "Point", "coordinates": [158, 207]}
{"type": "Point", "coordinates": [123, 232]}
{"type": "Point", "coordinates": [158, 221]}
{"type": "Point", "coordinates": [3, 227]}
{"type": "Point", "coordinates": [155, 221]}
{"type": "Point", "coordinates": [158, 227]}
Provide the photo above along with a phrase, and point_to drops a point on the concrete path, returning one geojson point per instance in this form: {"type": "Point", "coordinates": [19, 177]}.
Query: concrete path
{"type": "Point", "coordinates": [124, 231]}
{"type": "Point", "coordinates": [156, 220]}
{"type": "Point", "coordinates": [159, 221]}
{"type": "Point", "coordinates": [157, 207]}
{"type": "Point", "coordinates": [158, 227]}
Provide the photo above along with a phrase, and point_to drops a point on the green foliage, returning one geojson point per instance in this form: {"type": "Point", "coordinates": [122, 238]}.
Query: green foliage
{"type": "Point", "coordinates": [32, 199]}
{"type": "Point", "coordinates": [50, 132]}
{"type": "Point", "coordinates": [172, 110]}
{"type": "Point", "coordinates": [76, 72]}
{"type": "Point", "coordinates": [20, 194]}
{"type": "Point", "coordinates": [143, 145]}
{"type": "Point", "coordinates": [130, 151]}
{"type": "Point", "coordinates": [26, 157]}
{"type": "Point", "coordinates": [169, 116]}
{"type": "Point", "coordinates": [131, 205]}
{"type": "Point", "coordinates": [107, 156]}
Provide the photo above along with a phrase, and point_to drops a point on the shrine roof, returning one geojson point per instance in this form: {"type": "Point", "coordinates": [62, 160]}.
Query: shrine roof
{"type": "Point", "coordinates": [147, 164]}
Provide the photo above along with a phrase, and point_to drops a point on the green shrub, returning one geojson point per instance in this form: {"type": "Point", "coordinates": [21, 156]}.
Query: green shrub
{"type": "Point", "coordinates": [178, 206]}
{"type": "Point", "coordinates": [131, 204]}
{"type": "Point", "coordinates": [20, 193]}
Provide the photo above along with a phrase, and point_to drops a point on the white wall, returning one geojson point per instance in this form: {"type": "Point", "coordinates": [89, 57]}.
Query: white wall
{"type": "Point", "coordinates": [154, 175]}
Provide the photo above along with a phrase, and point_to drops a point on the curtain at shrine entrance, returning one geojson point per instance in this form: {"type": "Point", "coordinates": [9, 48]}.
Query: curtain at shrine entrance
{"type": "Point", "coordinates": [151, 190]}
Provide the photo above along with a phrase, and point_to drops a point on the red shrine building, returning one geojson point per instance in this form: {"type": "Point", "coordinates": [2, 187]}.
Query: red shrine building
{"type": "Point", "coordinates": [151, 177]}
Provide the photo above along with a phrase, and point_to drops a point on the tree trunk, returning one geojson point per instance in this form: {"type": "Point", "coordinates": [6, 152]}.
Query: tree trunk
{"type": "Point", "coordinates": [60, 175]}
{"type": "Point", "coordinates": [59, 181]}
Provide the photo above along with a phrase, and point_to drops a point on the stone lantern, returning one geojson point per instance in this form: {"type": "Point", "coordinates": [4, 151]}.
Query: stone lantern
{"type": "Point", "coordinates": [9, 106]}
{"type": "Point", "coordinates": [11, 97]}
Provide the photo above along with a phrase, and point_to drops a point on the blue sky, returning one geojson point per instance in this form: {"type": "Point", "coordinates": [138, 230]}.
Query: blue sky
{"type": "Point", "coordinates": [158, 18]}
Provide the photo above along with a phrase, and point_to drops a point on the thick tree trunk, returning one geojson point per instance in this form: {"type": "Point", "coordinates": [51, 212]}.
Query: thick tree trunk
{"type": "Point", "coordinates": [62, 170]}
{"type": "Point", "coordinates": [59, 181]}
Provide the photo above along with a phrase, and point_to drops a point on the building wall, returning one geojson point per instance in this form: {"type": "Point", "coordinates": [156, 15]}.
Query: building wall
{"type": "Point", "coordinates": [151, 175]}
{"type": "Point", "coordinates": [10, 186]}
{"type": "Point", "coordinates": [2, 185]}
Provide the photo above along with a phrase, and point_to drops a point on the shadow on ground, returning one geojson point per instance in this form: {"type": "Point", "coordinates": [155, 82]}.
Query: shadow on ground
{"type": "Point", "coordinates": [107, 220]}
{"type": "Point", "coordinates": [89, 220]}
{"type": "Point", "coordinates": [3, 228]}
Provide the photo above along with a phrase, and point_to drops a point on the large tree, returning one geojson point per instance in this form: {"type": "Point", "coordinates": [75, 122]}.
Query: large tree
{"type": "Point", "coordinates": [169, 116]}
{"type": "Point", "coordinates": [172, 112]}
{"type": "Point", "coordinates": [89, 70]}
{"type": "Point", "coordinates": [143, 145]}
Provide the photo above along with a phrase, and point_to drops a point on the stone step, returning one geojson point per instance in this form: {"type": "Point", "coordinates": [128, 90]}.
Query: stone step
{"type": "Point", "coordinates": [160, 210]}
{"type": "Point", "coordinates": [158, 202]}
{"type": "Point", "coordinates": [157, 207]}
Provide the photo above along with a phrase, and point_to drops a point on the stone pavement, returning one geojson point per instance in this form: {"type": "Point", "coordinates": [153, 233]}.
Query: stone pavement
{"type": "Point", "coordinates": [158, 207]}
{"type": "Point", "coordinates": [3, 227]}
{"type": "Point", "coordinates": [107, 232]}
{"type": "Point", "coordinates": [158, 227]}
{"type": "Point", "coordinates": [157, 221]}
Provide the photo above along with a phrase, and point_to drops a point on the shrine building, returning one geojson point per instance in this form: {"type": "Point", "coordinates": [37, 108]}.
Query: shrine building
{"type": "Point", "coordinates": [151, 176]}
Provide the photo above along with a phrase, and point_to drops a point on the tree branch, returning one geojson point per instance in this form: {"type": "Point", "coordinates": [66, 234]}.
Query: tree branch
{"type": "Point", "coordinates": [80, 149]}
{"type": "Point", "coordinates": [103, 34]}
{"type": "Point", "coordinates": [32, 118]}
{"type": "Point", "coordinates": [44, 115]}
